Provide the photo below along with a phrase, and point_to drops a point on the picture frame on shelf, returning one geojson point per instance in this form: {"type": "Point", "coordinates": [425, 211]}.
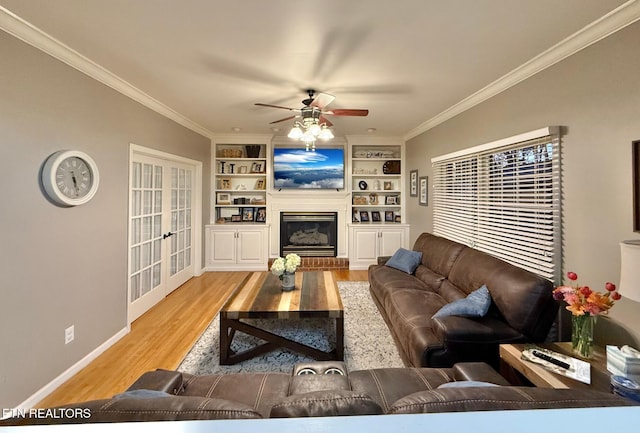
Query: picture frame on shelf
{"type": "Point", "coordinates": [423, 183]}
{"type": "Point", "coordinates": [257, 167]}
{"type": "Point", "coordinates": [248, 214]}
{"type": "Point", "coordinates": [259, 184]}
{"type": "Point", "coordinates": [413, 183]}
{"type": "Point", "coordinates": [388, 185]}
{"type": "Point", "coordinates": [261, 214]}
{"type": "Point", "coordinates": [223, 198]}
{"type": "Point", "coordinates": [364, 216]}
{"type": "Point", "coordinates": [398, 218]}
{"type": "Point", "coordinates": [373, 198]}
{"type": "Point", "coordinates": [375, 216]}
{"type": "Point", "coordinates": [236, 218]}
{"type": "Point", "coordinates": [391, 200]}
{"type": "Point", "coordinates": [389, 216]}
{"type": "Point", "coordinates": [224, 183]}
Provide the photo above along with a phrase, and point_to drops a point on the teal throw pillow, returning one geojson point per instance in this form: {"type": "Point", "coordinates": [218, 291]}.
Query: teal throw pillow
{"type": "Point", "coordinates": [476, 304]}
{"type": "Point", "coordinates": [405, 260]}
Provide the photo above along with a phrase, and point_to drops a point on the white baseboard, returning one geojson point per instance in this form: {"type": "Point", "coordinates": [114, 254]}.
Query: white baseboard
{"type": "Point", "coordinates": [69, 372]}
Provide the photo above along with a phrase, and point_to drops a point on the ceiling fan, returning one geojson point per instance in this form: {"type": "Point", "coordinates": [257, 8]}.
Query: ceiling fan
{"type": "Point", "coordinates": [314, 108]}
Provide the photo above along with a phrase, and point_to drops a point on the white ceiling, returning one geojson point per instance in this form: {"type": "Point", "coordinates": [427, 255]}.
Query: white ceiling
{"type": "Point", "coordinates": [407, 61]}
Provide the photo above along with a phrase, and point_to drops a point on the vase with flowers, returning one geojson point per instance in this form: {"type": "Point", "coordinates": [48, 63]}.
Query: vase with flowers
{"type": "Point", "coordinates": [285, 269]}
{"type": "Point", "coordinates": [585, 306]}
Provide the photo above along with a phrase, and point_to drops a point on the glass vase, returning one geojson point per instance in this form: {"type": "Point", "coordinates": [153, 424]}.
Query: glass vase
{"type": "Point", "coordinates": [288, 281]}
{"type": "Point", "coordinates": [582, 335]}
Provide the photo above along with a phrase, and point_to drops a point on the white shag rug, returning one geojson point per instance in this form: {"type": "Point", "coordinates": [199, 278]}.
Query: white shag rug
{"type": "Point", "coordinates": [367, 341]}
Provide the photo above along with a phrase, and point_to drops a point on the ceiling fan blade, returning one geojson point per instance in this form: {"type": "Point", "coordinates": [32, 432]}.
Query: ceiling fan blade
{"type": "Point", "coordinates": [326, 121]}
{"type": "Point", "coordinates": [282, 120]}
{"type": "Point", "coordinates": [274, 106]}
{"type": "Point", "coordinates": [347, 112]}
{"type": "Point", "coordinates": [322, 100]}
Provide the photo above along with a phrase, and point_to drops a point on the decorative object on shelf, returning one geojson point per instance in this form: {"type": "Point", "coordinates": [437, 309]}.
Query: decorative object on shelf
{"type": "Point", "coordinates": [354, 217]}
{"type": "Point", "coordinates": [391, 200]}
{"type": "Point", "coordinates": [224, 183]}
{"type": "Point", "coordinates": [388, 216]}
{"type": "Point", "coordinates": [257, 167]}
{"type": "Point", "coordinates": [241, 187]}
{"type": "Point", "coordinates": [364, 216]}
{"type": "Point", "coordinates": [230, 153]}
{"type": "Point", "coordinates": [413, 183]}
{"type": "Point", "coordinates": [257, 200]}
{"type": "Point", "coordinates": [236, 218]}
{"type": "Point", "coordinates": [242, 169]}
{"type": "Point", "coordinates": [391, 167]}
{"type": "Point", "coordinates": [231, 165]}
{"type": "Point", "coordinates": [285, 269]}
{"type": "Point", "coordinates": [70, 177]}
{"type": "Point", "coordinates": [388, 185]}
{"type": "Point", "coordinates": [363, 185]}
{"type": "Point", "coordinates": [373, 198]}
{"type": "Point", "coordinates": [253, 150]}
{"type": "Point", "coordinates": [359, 200]}
{"type": "Point", "coordinates": [261, 214]}
{"type": "Point", "coordinates": [398, 218]}
{"type": "Point", "coordinates": [259, 184]}
{"type": "Point", "coordinates": [222, 163]}
{"type": "Point", "coordinates": [585, 305]}
{"type": "Point", "coordinates": [223, 198]}
{"type": "Point", "coordinates": [376, 185]}
{"type": "Point", "coordinates": [423, 183]}
{"type": "Point", "coordinates": [375, 216]}
{"type": "Point", "coordinates": [247, 214]}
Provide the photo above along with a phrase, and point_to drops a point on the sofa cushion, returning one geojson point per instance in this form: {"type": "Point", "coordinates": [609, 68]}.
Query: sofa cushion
{"type": "Point", "coordinates": [325, 403]}
{"type": "Point", "coordinates": [405, 260]}
{"type": "Point", "coordinates": [476, 304]}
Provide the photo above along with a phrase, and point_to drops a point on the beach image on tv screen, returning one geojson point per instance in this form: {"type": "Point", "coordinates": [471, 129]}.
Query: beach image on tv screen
{"type": "Point", "coordinates": [298, 168]}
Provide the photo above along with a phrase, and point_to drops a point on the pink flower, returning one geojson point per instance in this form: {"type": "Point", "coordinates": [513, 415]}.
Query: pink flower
{"type": "Point", "coordinates": [572, 276]}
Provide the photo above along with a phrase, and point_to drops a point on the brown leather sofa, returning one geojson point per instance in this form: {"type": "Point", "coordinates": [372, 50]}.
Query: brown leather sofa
{"type": "Point", "coordinates": [522, 307]}
{"type": "Point", "coordinates": [164, 395]}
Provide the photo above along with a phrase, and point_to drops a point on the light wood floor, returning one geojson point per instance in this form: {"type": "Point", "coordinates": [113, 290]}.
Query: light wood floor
{"type": "Point", "coordinates": [158, 339]}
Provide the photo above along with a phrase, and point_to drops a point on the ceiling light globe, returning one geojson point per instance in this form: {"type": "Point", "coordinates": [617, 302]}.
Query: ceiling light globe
{"type": "Point", "coordinates": [325, 134]}
{"type": "Point", "coordinates": [314, 129]}
{"type": "Point", "coordinates": [295, 133]}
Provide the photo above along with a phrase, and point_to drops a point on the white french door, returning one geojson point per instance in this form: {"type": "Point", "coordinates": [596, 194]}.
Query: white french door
{"type": "Point", "coordinates": [161, 229]}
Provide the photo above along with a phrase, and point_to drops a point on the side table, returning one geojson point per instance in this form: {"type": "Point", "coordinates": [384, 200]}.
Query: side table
{"type": "Point", "coordinates": [510, 360]}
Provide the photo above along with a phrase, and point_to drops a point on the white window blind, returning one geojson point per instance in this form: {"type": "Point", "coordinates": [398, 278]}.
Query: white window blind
{"type": "Point", "coordinates": [503, 198]}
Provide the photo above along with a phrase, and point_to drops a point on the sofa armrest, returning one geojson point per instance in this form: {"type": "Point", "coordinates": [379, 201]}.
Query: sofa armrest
{"type": "Point", "coordinates": [160, 380]}
{"type": "Point", "coordinates": [479, 372]}
{"type": "Point", "coordinates": [382, 260]}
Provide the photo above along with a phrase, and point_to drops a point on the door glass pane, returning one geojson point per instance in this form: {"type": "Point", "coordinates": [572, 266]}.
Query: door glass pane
{"type": "Point", "coordinates": [136, 175]}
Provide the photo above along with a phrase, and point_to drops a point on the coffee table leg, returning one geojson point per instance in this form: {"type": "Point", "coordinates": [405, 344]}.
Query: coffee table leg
{"type": "Point", "coordinates": [340, 339]}
{"type": "Point", "coordinates": [225, 341]}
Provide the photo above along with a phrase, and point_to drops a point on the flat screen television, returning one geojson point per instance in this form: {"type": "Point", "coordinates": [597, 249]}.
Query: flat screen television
{"type": "Point", "coordinates": [296, 168]}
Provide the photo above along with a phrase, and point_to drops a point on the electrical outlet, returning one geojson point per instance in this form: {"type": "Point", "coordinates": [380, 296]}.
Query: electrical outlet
{"type": "Point", "coordinates": [69, 334]}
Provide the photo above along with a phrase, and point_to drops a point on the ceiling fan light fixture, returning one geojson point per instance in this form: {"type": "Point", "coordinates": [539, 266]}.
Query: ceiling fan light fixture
{"type": "Point", "coordinates": [325, 133]}
{"type": "Point", "coordinates": [295, 133]}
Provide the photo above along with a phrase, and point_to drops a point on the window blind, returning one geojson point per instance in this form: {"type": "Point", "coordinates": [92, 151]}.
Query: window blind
{"type": "Point", "coordinates": [503, 198]}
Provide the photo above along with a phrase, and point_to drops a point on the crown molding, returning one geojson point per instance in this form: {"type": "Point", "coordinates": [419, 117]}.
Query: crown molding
{"type": "Point", "coordinates": [26, 32]}
{"type": "Point", "coordinates": [617, 19]}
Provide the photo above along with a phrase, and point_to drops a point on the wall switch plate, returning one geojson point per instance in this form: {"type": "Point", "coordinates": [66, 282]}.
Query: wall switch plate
{"type": "Point", "coordinates": [69, 334]}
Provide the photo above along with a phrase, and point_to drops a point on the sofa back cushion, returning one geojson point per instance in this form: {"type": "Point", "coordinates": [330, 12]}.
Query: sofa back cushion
{"type": "Point", "coordinates": [438, 254]}
{"type": "Point", "coordinates": [325, 403]}
{"type": "Point", "coordinates": [522, 298]}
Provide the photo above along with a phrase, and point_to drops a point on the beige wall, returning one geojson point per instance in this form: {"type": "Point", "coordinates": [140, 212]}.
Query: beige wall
{"type": "Point", "coordinates": [595, 94]}
{"type": "Point", "coordinates": [63, 266]}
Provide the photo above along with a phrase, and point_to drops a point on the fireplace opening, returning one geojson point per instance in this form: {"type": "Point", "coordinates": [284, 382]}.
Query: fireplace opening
{"type": "Point", "coordinates": [309, 234]}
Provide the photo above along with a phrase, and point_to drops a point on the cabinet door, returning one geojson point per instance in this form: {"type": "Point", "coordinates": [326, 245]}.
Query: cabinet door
{"type": "Point", "coordinates": [365, 245]}
{"type": "Point", "coordinates": [391, 240]}
{"type": "Point", "coordinates": [223, 247]}
{"type": "Point", "coordinates": [251, 246]}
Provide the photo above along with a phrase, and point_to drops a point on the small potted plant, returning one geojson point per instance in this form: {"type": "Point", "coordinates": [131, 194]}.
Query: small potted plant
{"type": "Point", "coordinates": [285, 269]}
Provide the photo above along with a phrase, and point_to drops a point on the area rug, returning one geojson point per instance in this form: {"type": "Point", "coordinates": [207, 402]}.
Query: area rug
{"type": "Point", "coordinates": [367, 342]}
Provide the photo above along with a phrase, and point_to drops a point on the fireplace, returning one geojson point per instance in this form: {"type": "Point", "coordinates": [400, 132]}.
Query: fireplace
{"type": "Point", "coordinates": [309, 234]}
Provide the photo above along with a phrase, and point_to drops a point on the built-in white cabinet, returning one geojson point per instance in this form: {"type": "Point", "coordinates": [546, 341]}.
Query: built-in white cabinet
{"type": "Point", "coordinates": [237, 247]}
{"type": "Point", "coordinates": [368, 241]}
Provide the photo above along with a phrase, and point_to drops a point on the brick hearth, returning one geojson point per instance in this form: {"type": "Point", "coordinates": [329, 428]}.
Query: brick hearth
{"type": "Point", "coordinates": [321, 264]}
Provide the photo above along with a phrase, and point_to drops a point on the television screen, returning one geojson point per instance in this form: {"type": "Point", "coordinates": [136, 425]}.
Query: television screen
{"type": "Point", "coordinates": [298, 168]}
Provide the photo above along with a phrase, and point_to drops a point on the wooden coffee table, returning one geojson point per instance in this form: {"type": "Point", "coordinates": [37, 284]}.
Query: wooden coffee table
{"type": "Point", "coordinates": [510, 357]}
{"type": "Point", "coordinates": [259, 296]}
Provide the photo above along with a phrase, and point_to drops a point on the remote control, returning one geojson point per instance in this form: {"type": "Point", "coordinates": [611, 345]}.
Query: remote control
{"type": "Point", "coordinates": [551, 359]}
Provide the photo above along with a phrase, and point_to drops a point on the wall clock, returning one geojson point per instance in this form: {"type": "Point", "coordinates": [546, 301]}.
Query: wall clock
{"type": "Point", "coordinates": [70, 177]}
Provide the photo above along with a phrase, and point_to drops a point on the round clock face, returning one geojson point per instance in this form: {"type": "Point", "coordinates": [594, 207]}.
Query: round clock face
{"type": "Point", "coordinates": [70, 177]}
